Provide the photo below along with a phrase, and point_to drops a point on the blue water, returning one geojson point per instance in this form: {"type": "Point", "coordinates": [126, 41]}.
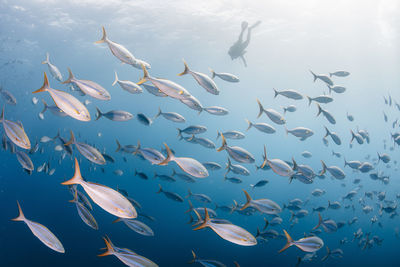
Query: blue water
{"type": "Point", "coordinates": [292, 39]}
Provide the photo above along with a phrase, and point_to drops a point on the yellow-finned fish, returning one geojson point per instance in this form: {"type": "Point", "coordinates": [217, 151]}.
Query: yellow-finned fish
{"type": "Point", "coordinates": [87, 151]}
{"type": "Point", "coordinates": [66, 102]}
{"type": "Point", "coordinates": [15, 131]}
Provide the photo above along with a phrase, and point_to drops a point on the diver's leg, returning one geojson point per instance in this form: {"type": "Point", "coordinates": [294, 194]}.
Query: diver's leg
{"type": "Point", "coordinates": [246, 43]}
{"type": "Point", "coordinates": [244, 27]}
{"type": "Point", "coordinates": [244, 60]}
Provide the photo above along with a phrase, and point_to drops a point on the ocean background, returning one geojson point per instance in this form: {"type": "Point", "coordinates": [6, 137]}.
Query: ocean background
{"type": "Point", "coordinates": [294, 37]}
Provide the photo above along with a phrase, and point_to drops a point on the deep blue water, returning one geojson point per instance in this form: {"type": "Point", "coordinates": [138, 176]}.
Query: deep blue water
{"type": "Point", "coordinates": [279, 56]}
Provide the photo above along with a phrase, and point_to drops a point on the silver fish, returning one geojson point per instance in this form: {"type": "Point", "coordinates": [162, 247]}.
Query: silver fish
{"type": "Point", "coordinates": [25, 161]}
{"type": "Point", "coordinates": [214, 110]}
{"type": "Point", "coordinates": [202, 79]}
{"type": "Point", "coordinates": [136, 226]}
{"type": "Point", "coordinates": [87, 151]}
{"type": "Point", "coordinates": [326, 114]}
{"type": "Point", "coordinates": [261, 126]}
{"type": "Point", "coordinates": [322, 77]}
{"type": "Point", "coordinates": [322, 99]}
{"type": "Point", "coordinates": [114, 115]}
{"type": "Point", "coordinates": [307, 244]}
{"type": "Point", "coordinates": [237, 153]}
{"type": "Point", "coordinates": [15, 132]}
{"type": "Point", "coordinates": [274, 115]}
{"type": "Point", "coordinates": [128, 86]}
{"type": "Point", "coordinates": [53, 69]}
{"type": "Point", "coordinates": [172, 116]}
{"type": "Point", "coordinates": [224, 76]}
{"type": "Point", "coordinates": [8, 97]}
{"type": "Point", "coordinates": [292, 94]}
{"type": "Point", "coordinates": [231, 135]}
{"type": "Point", "coordinates": [264, 205]}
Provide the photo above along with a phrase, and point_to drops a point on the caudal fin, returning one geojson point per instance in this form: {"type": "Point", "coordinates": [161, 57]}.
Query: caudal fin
{"type": "Point", "coordinates": [98, 114]}
{"type": "Point", "coordinates": [47, 61]}
{"type": "Point", "coordinates": [314, 75]}
{"type": "Point", "coordinates": [110, 247]}
{"type": "Point", "coordinates": [103, 38]}
{"type": "Point", "coordinates": [70, 77]}
{"type": "Point", "coordinates": [249, 124]}
{"type": "Point", "coordinates": [194, 258]}
{"type": "Point", "coordinates": [116, 79]}
{"type": "Point", "coordinates": [319, 221]}
{"type": "Point", "coordinates": [45, 85]}
{"type": "Point", "coordinates": [223, 146]}
{"type": "Point", "coordinates": [145, 76]}
{"type": "Point", "coordinates": [289, 242]}
{"type": "Point", "coordinates": [160, 189]}
{"type": "Point", "coordinates": [186, 70]}
{"type": "Point", "coordinates": [248, 200]}
{"type": "Point", "coordinates": [323, 168]}
{"type": "Point", "coordinates": [71, 140]}
{"type": "Point", "coordinates": [309, 100]}
{"type": "Point", "coordinates": [265, 158]}
{"type": "Point", "coordinates": [118, 145]}
{"type": "Point", "coordinates": [169, 157]}
{"type": "Point", "coordinates": [21, 216]}
{"type": "Point", "coordinates": [261, 108]}
{"type": "Point", "coordinates": [276, 93]}
{"type": "Point", "coordinates": [158, 113]}
{"type": "Point", "coordinates": [77, 178]}
{"type": "Point", "coordinates": [328, 253]}
{"type": "Point", "coordinates": [205, 221]}
{"type": "Point", "coordinates": [212, 73]}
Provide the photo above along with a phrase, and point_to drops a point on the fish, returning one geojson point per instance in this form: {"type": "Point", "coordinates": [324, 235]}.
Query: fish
{"type": "Point", "coordinates": [335, 171]}
{"type": "Point", "coordinates": [263, 205]}
{"type": "Point", "coordinates": [385, 158]}
{"type": "Point", "coordinates": [260, 183]}
{"type": "Point", "coordinates": [306, 154]}
{"type": "Point", "coordinates": [277, 165]}
{"type": "Point", "coordinates": [300, 132]}
{"type": "Point", "coordinates": [150, 154]}
{"type": "Point", "coordinates": [274, 115]}
{"type": "Point", "coordinates": [215, 110]}
{"type": "Point", "coordinates": [326, 114]}
{"type": "Point", "coordinates": [235, 180]}
{"type": "Point", "coordinates": [322, 77]}
{"type": "Point", "coordinates": [15, 132]}
{"type": "Point", "coordinates": [335, 137]}
{"type": "Point", "coordinates": [25, 161]}
{"type": "Point", "coordinates": [290, 108]}
{"type": "Point", "coordinates": [90, 88]}
{"type": "Point", "coordinates": [292, 94]}
{"type": "Point", "coordinates": [329, 226]}
{"type": "Point", "coordinates": [107, 198]}
{"type": "Point", "coordinates": [53, 109]}
{"type": "Point", "coordinates": [188, 165]}
{"type": "Point", "coordinates": [306, 244]}
{"type": "Point", "coordinates": [136, 226]}
{"type": "Point", "coordinates": [66, 102]}
{"type": "Point", "coordinates": [349, 117]}
{"type": "Point", "coordinates": [168, 87]}
{"type": "Point", "coordinates": [356, 136]}
{"type": "Point", "coordinates": [143, 119]}
{"type": "Point", "coordinates": [229, 232]}
{"type": "Point", "coordinates": [206, 263]}
{"type": "Point", "coordinates": [170, 195]}
{"type": "Point", "coordinates": [122, 53]}
{"type": "Point", "coordinates": [84, 213]}
{"type": "Point", "coordinates": [153, 90]}
{"type": "Point", "coordinates": [128, 86]}
{"type": "Point", "coordinates": [262, 127]}
{"type": "Point", "coordinates": [237, 153]}
{"type": "Point", "coordinates": [193, 129]}
{"type": "Point", "coordinates": [322, 99]}
{"type": "Point", "coordinates": [202, 79]}
{"type": "Point", "coordinates": [193, 103]}
{"type": "Point", "coordinates": [202, 141]}
{"type": "Point", "coordinates": [8, 97]}
{"type": "Point", "coordinates": [35, 100]}
{"type": "Point", "coordinates": [339, 73]}
{"type": "Point", "coordinates": [41, 232]}
{"type": "Point", "coordinates": [87, 151]}
{"type": "Point", "coordinates": [212, 166]}
{"type": "Point", "coordinates": [171, 116]}
{"type": "Point", "coordinates": [127, 256]}
{"type": "Point", "coordinates": [183, 176]}
{"type": "Point", "coordinates": [114, 115]}
{"type": "Point", "coordinates": [236, 135]}
{"type": "Point", "coordinates": [54, 71]}
{"type": "Point", "coordinates": [236, 169]}
{"type": "Point", "coordinates": [228, 77]}
{"type": "Point", "coordinates": [336, 88]}
{"type": "Point", "coordinates": [318, 192]}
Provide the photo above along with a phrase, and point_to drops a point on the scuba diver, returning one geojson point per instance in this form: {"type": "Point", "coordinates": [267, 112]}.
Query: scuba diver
{"type": "Point", "coordinates": [238, 48]}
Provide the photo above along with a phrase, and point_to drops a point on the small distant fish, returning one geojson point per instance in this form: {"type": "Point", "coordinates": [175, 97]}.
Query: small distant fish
{"type": "Point", "coordinates": [214, 110]}
{"type": "Point", "coordinates": [212, 166]}
{"type": "Point", "coordinates": [337, 89]}
{"type": "Point", "coordinates": [202, 79]}
{"type": "Point", "coordinates": [53, 69]}
{"type": "Point", "coordinates": [274, 115]}
{"type": "Point", "coordinates": [263, 205]}
{"type": "Point", "coordinates": [25, 161]}
{"type": "Point", "coordinates": [237, 153]}
{"type": "Point", "coordinates": [143, 119]}
{"type": "Point", "coordinates": [224, 76]}
{"type": "Point", "coordinates": [335, 137]}
{"type": "Point", "coordinates": [326, 114]}
{"type": "Point", "coordinates": [114, 115]}
{"type": "Point", "coordinates": [260, 183]}
{"type": "Point", "coordinates": [8, 97]}
{"type": "Point", "coordinates": [128, 86]}
{"type": "Point", "coordinates": [349, 117]}
{"type": "Point", "coordinates": [322, 99]}
{"type": "Point", "coordinates": [170, 195]}
{"type": "Point", "coordinates": [307, 244]}
{"type": "Point", "coordinates": [300, 132]}
{"type": "Point", "coordinates": [84, 213]}
{"type": "Point", "coordinates": [194, 129]}
{"type": "Point", "coordinates": [87, 151]}
{"type": "Point", "coordinates": [136, 226]}
{"type": "Point", "coordinates": [339, 73]}
{"type": "Point", "coordinates": [292, 94]}
{"type": "Point", "coordinates": [322, 77]}
{"type": "Point", "coordinates": [306, 154]}
{"type": "Point", "coordinates": [172, 116]}
{"type": "Point", "coordinates": [277, 165]}
{"type": "Point", "coordinates": [262, 127]}
{"type": "Point", "coordinates": [35, 100]}
{"type": "Point", "coordinates": [231, 135]}
{"type": "Point", "coordinates": [15, 132]}
{"type": "Point", "coordinates": [290, 108]}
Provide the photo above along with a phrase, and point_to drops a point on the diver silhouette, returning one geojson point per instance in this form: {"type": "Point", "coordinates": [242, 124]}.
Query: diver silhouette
{"type": "Point", "coordinates": [238, 48]}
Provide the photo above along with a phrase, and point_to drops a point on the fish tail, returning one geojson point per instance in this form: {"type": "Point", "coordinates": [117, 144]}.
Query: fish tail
{"type": "Point", "coordinates": [327, 132]}
{"type": "Point", "coordinates": [314, 75]}
{"type": "Point", "coordinates": [98, 114]}
{"type": "Point", "coordinates": [45, 85]}
{"type": "Point", "coordinates": [249, 123]}
{"type": "Point", "coordinates": [352, 136]}
{"type": "Point", "coordinates": [309, 100]}
{"type": "Point", "coordinates": [261, 108]}
{"type": "Point", "coordinates": [155, 175]}
{"type": "Point", "coordinates": [116, 79]}
{"type": "Point", "coordinates": [218, 135]}
{"type": "Point", "coordinates": [137, 148]}
{"type": "Point", "coordinates": [2, 114]}
{"type": "Point", "coordinates": [71, 140]}
{"type": "Point", "coordinates": [286, 130]}
{"type": "Point", "coordinates": [77, 178]}
{"type": "Point", "coordinates": [190, 220]}
{"type": "Point", "coordinates": [179, 133]}
{"type": "Point", "coordinates": [223, 146]}
{"type": "Point", "coordinates": [57, 136]}
{"type": "Point", "coordinates": [248, 200]}
{"type": "Point", "coordinates": [205, 221]}
{"type": "Point", "coordinates": [289, 242]}
{"type": "Point", "coordinates": [47, 59]}
{"type": "Point", "coordinates": [319, 221]}
{"type": "Point", "coordinates": [328, 252]}
{"type": "Point", "coordinates": [190, 207]}
{"type": "Point", "coordinates": [194, 258]}
{"type": "Point", "coordinates": [236, 264]}
{"type": "Point", "coordinates": [70, 77]}
{"type": "Point", "coordinates": [110, 249]}
{"type": "Point", "coordinates": [117, 220]}
{"type": "Point", "coordinates": [173, 172]}
{"type": "Point", "coordinates": [330, 88]}
{"type": "Point", "coordinates": [345, 162]}
{"type": "Point", "coordinates": [158, 114]}
{"type": "Point", "coordinates": [75, 199]}
{"type": "Point", "coordinates": [323, 168]}
{"type": "Point", "coordinates": [291, 215]}
{"type": "Point", "coordinates": [160, 189]}
{"type": "Point", "coordinates": [379, 157]}
{"type": "Point", "coordinates": [169, 156]}
{"type": "Point", "coordinates": [146, 76]}
{"type": "Point", "coordinates": [189, 193]}
{"type": "Point", "coordinates": [294, 164]}
{"type": "Point", "coordinates": [258, 233]}
{"type": "Point", "coordinates": [212, 73]}
{"type": "Point", "coordinates": [265, 158]}
{"type": "Point", "coordinates": [21, 216]}
{"type": "Point", "coordinates": [330, 74]}
{"type": "Point", "coordinates": [103, 38]}
{"type": "Point", "coordinates": [186, 70]}
{"type": "Point", "coordinates": [118, 145]}
{"type": "Point", "coordinates": [276, 93]}
{"type": "Point", "coordinates": [319, 110]}
{"type": "Point", "coordinates": [266, 224]}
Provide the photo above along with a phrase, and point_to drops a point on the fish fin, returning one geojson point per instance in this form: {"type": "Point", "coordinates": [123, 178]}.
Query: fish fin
{"type": "Point", "coordinates": [98, 114]}
{"type": "Point", "coordinates": [261, 108]}
{"type": "Point", "coordinates": [249, 123]}
{"type": "Point", "coordinates": [236, 264]}
{"type": "Point", "coordinates": [158, 114]}
{"type": "Point", "coordinates": [118, 145]}
{"type": "Point", "coordinates": [345, 162]}
{"type": "Point", "coordinates": [319, 221]}
{"type": "Point", "coordinates": [276, 92]}
{"type": "Point", "coordinates": [327, 132]}
{"type": "Point", "coordinates": [199, 219]}
{"type": "Point", "coordinates": [103, 38]}
{"type": "Point", "coordinates": [323, 168]}
{"type": "Point", "coordinates": [71, 140]}
{"type": "Point", "coordinates": [169, 157]}
{"type": "Point", "coordinates": [45, 85]}
{"type": "Point", "coordinates": [294, 164]}
{"type": "Point", "coordinates": [2, 114]}
{"type": "Point", "coordinates": [258, 232]}
{"type": "Point", "coordinates": [248, 200]}
{"type": "Point", "coordinates": [70, 77]}
{"type": "Point", "coordinates": [266, 223]}
{"type": "Point", "coordinates": [159, 190]}
{"type": "Point", "coordinates": [47, 59]}
{"type": "Point", "coordinates": [194, 258]}
{"type": "Point", "coordinates": [116, 79]}
{"type": "Point", "coordinates": [314, 75]}
{"type": "Point", "coordinates": [189, 193]}
{"type": "Point", "coordinates": [173, 172]}
{"type": "Point", "coordinates": [218, 135]}
{"type": "Point", "coordinates": [137, 148]}
{"type": "Point", "coordinates": [77, 178]}
{"type": "Point", "coordinates": [319, 110]}
{"type": "Point", "coordinates": [110, 249]}
{"type": "Point", "coordinates": [379, 157]}
{"type": "Point", "coordinates": [223, 146]}
{"type": "Point", "coordinates": [205, 222]}
{"type": "Point", "coordinates": [186, 70]}
{"type": "Point", "coordinates": [328, 252]}
{"type": "Point", "coordinates": [212, 73]}
{"type": "Point", "coordinates": [190, 220]}
{"type": "Point", "coordinates": [286, 130]}
{"type": "Point", "coordinates": [191, 138]}
{"type": "Point", "coordinates": [75, 196]}
{"type": "Point", "coordinates": [21, 216]}
{"type": "Point", "coordinates": [146, 76]}
{"type": "Point", "coordinates": [352, 136]}
{"type": "Point", "coordinates": [190, 207]}
{"type": "Point", "coordinates": [265, 158]}
{"type": "Point", "coordinates": [330, 89]}
{"type": "Point", "coordinates": [291, 215]}
{"type": "Point", "coordinates": [179, 133]}
{"type": "Point", "coordinates": [117, 220]}
{"type": "Point", "coordinates": [309, 100]}
{"type": "Point", "coordinates": [289, 241]}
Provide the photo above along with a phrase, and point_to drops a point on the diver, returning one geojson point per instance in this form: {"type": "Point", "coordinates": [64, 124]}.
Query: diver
{"type": "Point", "coordinates": [238, 48]}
